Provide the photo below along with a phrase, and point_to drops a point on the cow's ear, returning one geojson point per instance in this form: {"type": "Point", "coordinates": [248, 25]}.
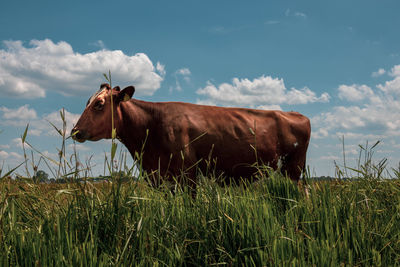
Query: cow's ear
{"type": "Point", "coordinates": [126, 94]}
{"type": "Point", "coordinates": [116, 88]}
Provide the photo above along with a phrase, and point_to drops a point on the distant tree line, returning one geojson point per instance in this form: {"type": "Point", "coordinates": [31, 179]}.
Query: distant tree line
{"type": "Point", "coordinates": [42, 177]}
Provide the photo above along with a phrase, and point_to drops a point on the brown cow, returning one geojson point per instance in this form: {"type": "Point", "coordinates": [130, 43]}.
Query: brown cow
{"type": "Point", "coordinates": [183, 137]}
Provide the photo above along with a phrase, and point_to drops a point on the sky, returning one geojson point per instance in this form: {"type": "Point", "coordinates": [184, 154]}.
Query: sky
{"type": "Point", "coordinates": [337, 62]}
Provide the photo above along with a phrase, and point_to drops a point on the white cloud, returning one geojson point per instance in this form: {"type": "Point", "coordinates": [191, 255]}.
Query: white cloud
{"type": "Point", "coordinates": [300, 15]}
{"type": "Point", "coordinates": [330, 157]}
{"type": "Point", "coordinates": [161, 69]}
{"type": "Point", "coordinates": [12, 157]}
{"type": "Point", "coordinates": [354, 92]}
{"type": "Point", "coordinates": [30, 71]}
{"type": "Point", "coordinates": [297, 14]}
{"type": "Point", "coordinates": [269, 107]}
{"type": "Point", "coordinates": [4, 146]}
{"type": "Point", "coordinates": [3, 155]}
{"type": "Point", "coordinates": [396, 146]}
{"type": "Point", "coordinates": [19, 86]}
{"type": "Point", "coordinates": [374, 114]}
{"type": "Point", "coordinates": [17, 142]}
{"type": "Point", "coordinates": [395, 72]}
{"type": "Point", "coordinates": [17, 117]}
{"type": "Point", "coordinates": [378, 73]}
{"type": "Point", "coordinates": [184, 74]}
{"type": "Point", "coordinates": [16, 155]}
{"type": "Point", "coordinates": [35, 132]}
{"type": "Point", "coordinates": [100, 44]}
{"type": "Point", "coordinates": [20, 117]}
{"type": "Point", "coordinates": [391, 87]}
{"type": "Point", "coordinates": [50, 154]}
{"type": "Point", "coordinates": [21, 113]}
{"type": "Point", "coordinates": [78, 147]}
{"type": "Point", "coordinates": [261, 91]}
{"type": "Point", "coordinates": [55, 118]}
{"type": "Point", "coordinates": [365, 120]}
{"type": "Point", "coordinates": [359, 136]}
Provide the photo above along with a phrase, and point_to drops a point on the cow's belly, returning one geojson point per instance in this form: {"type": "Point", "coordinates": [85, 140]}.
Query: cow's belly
{"type": "Point", "coordinates": [238, 159]}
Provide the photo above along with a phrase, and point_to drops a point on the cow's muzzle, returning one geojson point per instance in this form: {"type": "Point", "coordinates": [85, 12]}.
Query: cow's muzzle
{"type": "Point", "coordinates": [79, 135]}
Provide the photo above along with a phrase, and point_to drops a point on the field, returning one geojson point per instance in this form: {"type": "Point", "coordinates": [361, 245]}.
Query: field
{"type": "Point", "coordinates": [267, 223]}
{"type": "Point", "coordinates": [271, 222]}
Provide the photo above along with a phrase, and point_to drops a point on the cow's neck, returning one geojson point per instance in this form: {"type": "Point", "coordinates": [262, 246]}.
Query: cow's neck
{"type": "Point", "coordinates": [137, 117]}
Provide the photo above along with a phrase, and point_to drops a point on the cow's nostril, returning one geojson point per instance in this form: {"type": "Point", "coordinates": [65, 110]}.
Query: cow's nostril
{"type": "Point", "coordinates": [74, 132]}
{"type": "Point", "coordinates": [77, 135]}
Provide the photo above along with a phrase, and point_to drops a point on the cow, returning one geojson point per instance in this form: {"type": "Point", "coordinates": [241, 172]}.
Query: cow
{"type": "Point", "coordinates": [179, 139]}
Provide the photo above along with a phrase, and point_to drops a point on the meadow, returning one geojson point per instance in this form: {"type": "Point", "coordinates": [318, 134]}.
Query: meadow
{"type": "Point", "coordinates": [125, 222]}
{"type": "Point", "coordinates": [267, 223]}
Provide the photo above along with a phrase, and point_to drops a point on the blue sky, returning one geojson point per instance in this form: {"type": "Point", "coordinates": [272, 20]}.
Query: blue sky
{"type": "Point", "coordinates": [337, 62]}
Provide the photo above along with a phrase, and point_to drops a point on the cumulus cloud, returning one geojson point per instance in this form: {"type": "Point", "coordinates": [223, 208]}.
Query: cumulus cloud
{"type": "Point", "coordinates": [269, 107]}
{"type": "Point", "coordinates": [17, 142]}
{"type": "Point", "coordinates": [378, 73]}
{"type": "Point", "coordinates": [21, 113]}
{"type": "Point", "coordinates": [4, 147]}
{"type": "Point", "coordinates": [262, 91]}
{"type": "Point", "coordinates": [183, 71]}
{"type": "Point", "coordinates": [395, 71]}
{"type": "Point", "coordinates": [161, 69]}
{"type": "Point", "coordinates": [354, 92]}
{"type": "Point", "coordinates": [55, 118]}
{"type": "Point", "coordinates": [38, 125]}
{"type": "Point", "coordinates": [30, 71]}
{"type": "Point", "coordinates": [78, 147]}
{"type": "Point", "coordinates": [17, 117]}
{"type": "Point", "coordinates": [12, 158]}
{"type": "Point", "coordinates": [391, 87]}
{"type": "Point", "coordinates": [363, 120]}
{"type": "Point", "coordinates": [3, 155]}
{"type": "Point", "coordinates": [374, 114]}
{"type": "Point", "coordinates": [100, 44]}
{"type": "Point", "coordinates": [184, 74]}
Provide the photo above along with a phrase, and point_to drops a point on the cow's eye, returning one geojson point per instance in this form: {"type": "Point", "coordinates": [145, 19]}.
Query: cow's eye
{"type": "Point", "coordinates": [98, 105]}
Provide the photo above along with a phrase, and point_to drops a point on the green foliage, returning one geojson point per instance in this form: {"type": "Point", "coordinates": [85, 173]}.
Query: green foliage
{"type": "Point", "coordinates": [266, 223]}
{"type": "Point", "coordinates": [40, 177]}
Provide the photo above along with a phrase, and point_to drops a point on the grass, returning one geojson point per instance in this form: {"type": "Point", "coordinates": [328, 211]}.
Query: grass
{"type": "Point", "coordinates": [267, 223]}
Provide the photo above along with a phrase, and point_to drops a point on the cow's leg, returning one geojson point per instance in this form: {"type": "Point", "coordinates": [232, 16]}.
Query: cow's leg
{"type": "Point", "coordinates": [292, 171]}
{"type": "Point", "coordinates": [293, 166]}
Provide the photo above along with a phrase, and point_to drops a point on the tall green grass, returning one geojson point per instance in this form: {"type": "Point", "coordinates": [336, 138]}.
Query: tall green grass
{"type": "Point", "coordinates": [267, 223]}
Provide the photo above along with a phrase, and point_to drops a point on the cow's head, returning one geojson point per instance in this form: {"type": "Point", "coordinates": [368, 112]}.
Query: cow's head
{"type": "Point", "coordinates": [95, 121]}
